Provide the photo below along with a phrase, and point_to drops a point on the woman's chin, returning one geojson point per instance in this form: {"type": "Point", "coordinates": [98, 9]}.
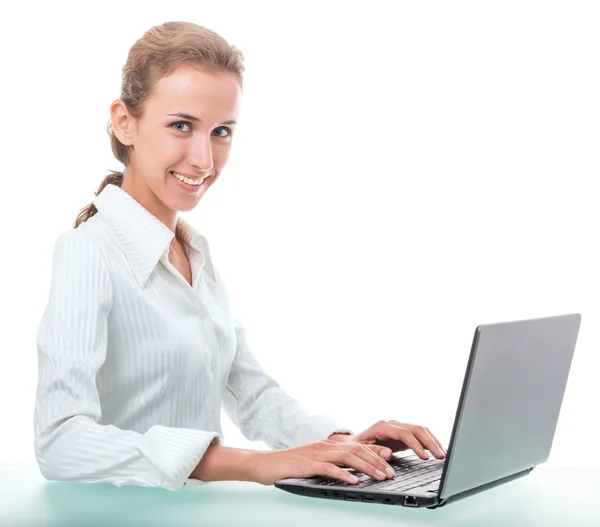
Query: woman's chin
{"type": "Point", "coordinates": [185, 204]}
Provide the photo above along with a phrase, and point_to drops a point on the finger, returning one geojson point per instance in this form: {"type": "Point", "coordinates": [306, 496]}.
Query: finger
{"type": "Point", "coordinates": [350, 459]}
{"type": "Point", "coordinates": [405, 435]}
{"type": "Point", "coordinates": [333, 471]}
{"type": "Point", "coordinates": [437, 441]}
{"type": "Point", "coordinates": [366, 452]}
{"type": "Point", "coordinates": [370, 453]}
{"type": "Point", "coordinates": [428, 442]}
{"type": "Point", "coordinates": [426, 438]}
{"type": "Point", "coordinates": [381, 450]}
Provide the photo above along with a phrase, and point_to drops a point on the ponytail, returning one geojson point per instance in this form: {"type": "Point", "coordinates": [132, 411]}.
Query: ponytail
{"type": "Point", "coordinates": [114, 178]}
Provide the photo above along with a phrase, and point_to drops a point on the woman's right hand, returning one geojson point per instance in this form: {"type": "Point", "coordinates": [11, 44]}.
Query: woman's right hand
{"type": "Point", "coordinates": [322, 458]}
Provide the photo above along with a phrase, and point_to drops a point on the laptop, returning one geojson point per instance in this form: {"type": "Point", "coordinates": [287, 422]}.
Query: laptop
{"type": "Point", "coordinates": [504, 425]}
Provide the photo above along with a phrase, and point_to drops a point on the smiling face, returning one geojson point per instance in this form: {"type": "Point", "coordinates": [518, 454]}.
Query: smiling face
{"type": "Point", "coordinates": [186, 129]}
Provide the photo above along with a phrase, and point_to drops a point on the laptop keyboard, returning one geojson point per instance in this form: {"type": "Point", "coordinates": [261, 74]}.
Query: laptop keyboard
{"type": "Point", "coordinates": [411, 472]}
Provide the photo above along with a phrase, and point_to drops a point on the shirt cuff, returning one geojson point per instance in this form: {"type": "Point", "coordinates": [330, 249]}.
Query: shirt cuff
{"type": "Point", "coordinates": [175, 452]}
{"type": "Point", "coordinates": [317, 428]}
{"type": "Point", "coordinates": [191, 482]}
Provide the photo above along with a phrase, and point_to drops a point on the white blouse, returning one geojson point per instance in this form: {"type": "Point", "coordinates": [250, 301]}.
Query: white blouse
{"type": "Point", "coordinates": [134, 363]}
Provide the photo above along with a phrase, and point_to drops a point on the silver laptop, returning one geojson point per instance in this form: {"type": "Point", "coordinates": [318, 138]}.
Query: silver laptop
{"type": "Point", "coordinates": [504, 426]}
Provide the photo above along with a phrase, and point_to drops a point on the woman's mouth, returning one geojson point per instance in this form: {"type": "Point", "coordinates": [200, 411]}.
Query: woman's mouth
{"type": "Point", "coordinates": [189, 184]}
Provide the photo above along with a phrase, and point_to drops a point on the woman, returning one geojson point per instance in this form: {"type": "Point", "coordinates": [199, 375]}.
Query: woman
{"type": "Point", "coordinates": [137, 346]}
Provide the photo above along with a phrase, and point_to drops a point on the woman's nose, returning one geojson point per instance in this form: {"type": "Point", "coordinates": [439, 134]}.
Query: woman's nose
{"type": "Point", "coordinates": [200, 154]}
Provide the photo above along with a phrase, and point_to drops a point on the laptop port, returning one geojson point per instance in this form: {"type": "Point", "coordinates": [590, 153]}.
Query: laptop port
{"type": "Point", "coordinates": [351, 497]}
{"type": "Point", "coordinates": [410, 501]}
{"type": "Point", "coordinates": [323, 493]}
{"type": "Point", "coordinates": [388, 501]}
{"type": "Point", "coordinates": [368, 498]}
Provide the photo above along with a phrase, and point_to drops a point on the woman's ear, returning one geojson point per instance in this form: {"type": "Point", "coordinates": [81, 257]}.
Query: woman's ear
{"type": "Point", "coordinates": [122, 122]}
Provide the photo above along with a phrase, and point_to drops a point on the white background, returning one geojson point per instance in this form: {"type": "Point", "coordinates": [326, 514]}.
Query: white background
{"type": "Point", "coordinates": [401, 173]}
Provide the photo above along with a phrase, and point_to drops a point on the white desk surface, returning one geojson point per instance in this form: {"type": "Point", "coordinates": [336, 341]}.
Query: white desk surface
{"type": "Point", "coordinates": [565, 497]}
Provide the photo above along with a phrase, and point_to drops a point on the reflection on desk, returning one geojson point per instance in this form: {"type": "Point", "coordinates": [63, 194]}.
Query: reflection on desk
{"type": "Point", "coordinates": [548, 497]}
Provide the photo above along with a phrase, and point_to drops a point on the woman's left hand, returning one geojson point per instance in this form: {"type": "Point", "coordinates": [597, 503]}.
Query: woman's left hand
{"type": "Point", "coordinates": [397, 436]}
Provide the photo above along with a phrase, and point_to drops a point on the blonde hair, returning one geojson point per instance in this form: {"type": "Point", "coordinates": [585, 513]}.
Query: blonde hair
{"type": "Point", "coordinates": [157, 54]}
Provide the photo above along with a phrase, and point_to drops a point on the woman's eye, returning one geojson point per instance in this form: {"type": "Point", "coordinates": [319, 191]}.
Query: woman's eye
{"type": "Point", "coordinates": [226, 129]}
{"type": "Point", "coordinates": [180, 123]}
{"type": "Point", "coordinates": [185, 127]}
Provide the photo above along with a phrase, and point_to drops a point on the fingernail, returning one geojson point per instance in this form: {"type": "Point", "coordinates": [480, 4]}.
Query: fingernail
{"type": "Point", "coordinates": [390, 472]}
{"type": "Point", "coordinates": [353, 479]}
{"type": "Point", "coordinates": [380, 474]}
{"type": "Point", "coordinates": [386, 453]}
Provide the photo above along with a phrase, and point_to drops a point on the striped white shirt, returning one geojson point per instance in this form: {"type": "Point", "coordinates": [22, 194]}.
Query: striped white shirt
{"type": "Point", "coordinates": [134, 363]}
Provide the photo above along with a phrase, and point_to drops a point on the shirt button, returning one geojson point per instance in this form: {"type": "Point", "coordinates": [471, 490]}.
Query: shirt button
{"type": "Point", "coordinates": [201, 316]}
{"type": "Point", "coordinates": [213, 365]}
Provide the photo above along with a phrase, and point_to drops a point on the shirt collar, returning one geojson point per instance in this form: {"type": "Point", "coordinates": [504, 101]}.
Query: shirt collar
{"type": "Point", "coordinates": [142, 236]}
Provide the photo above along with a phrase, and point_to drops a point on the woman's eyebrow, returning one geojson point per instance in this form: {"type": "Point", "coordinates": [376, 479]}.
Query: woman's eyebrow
{"type": "Point", "coordinates": [192, 118]}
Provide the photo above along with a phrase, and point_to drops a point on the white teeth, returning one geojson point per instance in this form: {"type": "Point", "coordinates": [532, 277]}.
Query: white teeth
{"type": "Point", "coordinates": [189, 181]}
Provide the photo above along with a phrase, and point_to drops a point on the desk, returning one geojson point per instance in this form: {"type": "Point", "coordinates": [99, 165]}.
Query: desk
{"type": "Point", "coordinates": [548, 496]}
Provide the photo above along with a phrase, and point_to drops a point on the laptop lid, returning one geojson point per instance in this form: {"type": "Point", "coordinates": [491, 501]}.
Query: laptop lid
{"type": "Point", "coordinates": [510, 401]}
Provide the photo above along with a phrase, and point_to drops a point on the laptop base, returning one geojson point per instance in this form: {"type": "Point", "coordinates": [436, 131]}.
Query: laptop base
{"type": "Point", "coordinates": [346, 494]}
{"type": "Point", "coordinates": [386, 498]}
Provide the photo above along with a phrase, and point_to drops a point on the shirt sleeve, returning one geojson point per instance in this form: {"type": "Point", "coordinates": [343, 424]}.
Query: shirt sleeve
{"type": "Point", "coordinates": [263, 411]}
{"type": "Point", "coordinates": [70, 444]}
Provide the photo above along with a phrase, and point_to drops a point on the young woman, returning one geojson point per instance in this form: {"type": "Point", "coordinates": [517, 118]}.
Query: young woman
{"type": "Point", "coordinates": [137, 346]}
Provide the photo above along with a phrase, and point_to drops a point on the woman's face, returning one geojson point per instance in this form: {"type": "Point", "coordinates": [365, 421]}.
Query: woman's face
{"type": "Point", "coordinates": [186, 129]}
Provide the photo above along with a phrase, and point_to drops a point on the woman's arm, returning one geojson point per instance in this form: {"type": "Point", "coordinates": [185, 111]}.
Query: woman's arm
{"type": "Point", "coordinates": [70, 444]}
{"type": "Point", "coordinates": [221, 463]}
{"type": "Point", "coordinates": [321, 458]}
{"type": "Point", "coordinates": [263, 411]}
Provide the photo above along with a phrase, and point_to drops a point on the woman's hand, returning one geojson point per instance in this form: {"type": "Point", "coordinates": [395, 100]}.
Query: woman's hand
{"type": "Point", "coordinates": [397, 437]}
{"type": "Point", "coordinates": [321, 459]}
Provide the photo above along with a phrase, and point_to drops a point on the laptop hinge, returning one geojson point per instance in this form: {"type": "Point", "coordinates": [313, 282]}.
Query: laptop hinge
{"type": "Point", "coordinates": [477, 490]}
